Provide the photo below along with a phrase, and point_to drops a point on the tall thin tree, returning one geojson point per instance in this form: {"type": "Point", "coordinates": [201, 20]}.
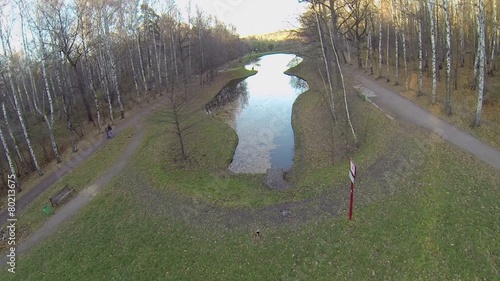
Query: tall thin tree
{"type": "Point", "coordinates": [448, 110]}
{"type": "Point", "coordinates": [481, 50]}
{"type": "Point", "coordinates": [430, 7]}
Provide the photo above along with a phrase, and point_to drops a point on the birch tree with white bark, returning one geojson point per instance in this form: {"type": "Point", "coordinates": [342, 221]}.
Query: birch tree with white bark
{"type": "Point", "coordinates": [48, 120]}
{"type": "Point", "coordinates": [7, 155]}
{"type": "Point", "coordinates": [420, 15]}
{"type": "Point", "coordinates": [446, 7]}
{"type": "Point", "coordinates": [430, 8]}
{"type": "Point", "coordinates": [17, 105]}
{"type": "Point", "coordinates": [481, 50]}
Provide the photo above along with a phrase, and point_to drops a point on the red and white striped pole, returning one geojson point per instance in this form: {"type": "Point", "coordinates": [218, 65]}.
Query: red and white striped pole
{"type": "Point", "coordinates": [352, 176]}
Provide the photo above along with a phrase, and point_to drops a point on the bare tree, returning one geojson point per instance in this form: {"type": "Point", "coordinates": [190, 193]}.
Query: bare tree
{"type": "Point", "coordinates": [481, 50]}
{"type": "Point", "coordinates": [388, 52]}
{"type": "Point", "coordinates": [9, 159]}
{"type": "Point", "coordinates": [180, 118]}
{"type": "Point", "coordinates": [369, 50]}
{"type": "Point", "coordinates": [448, 110]}
{"type": "Point", "coordinates": [49, 120]}
{"type": "Point", "coordinates": [105, 19]}
{"type": "Point", "coordinates": [420, 48]}
{"type": "Point", "coordinates": [396, 41]}
{"type": "Point", "coordinates": [325, 59]}
{"type": "Point", "coordinates": [11, 135]}
{"type": "Point", "coordinates": [430, 7]}
{"type": "Point", "coordinates": [65, 23]}
{"type": "Point", "coordinates": [380, 40]}
{"type": "Point", "coordinates": [353, 19]}
{"type": "Point", "coordinates": [494, 38]}
{"type": "Point", "coordinates": [403, 3]}
{"type": "Point", "coordinates": [17, 104]}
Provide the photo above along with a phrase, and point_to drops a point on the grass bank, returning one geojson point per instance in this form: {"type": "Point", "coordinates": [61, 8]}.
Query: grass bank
{"type": "Point", "coordinates": [32, 217]}
{"type": "Point", "coordinates": [424, 210]}
{"type": "Point", "coordinates": [441, 227]}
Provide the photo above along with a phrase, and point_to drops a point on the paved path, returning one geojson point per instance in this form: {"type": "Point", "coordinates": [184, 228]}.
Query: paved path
{"type": "Point", "coordinates": [402, 109]}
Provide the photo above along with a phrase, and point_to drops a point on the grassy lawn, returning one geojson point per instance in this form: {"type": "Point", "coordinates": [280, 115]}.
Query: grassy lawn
{"type": "Point", "coordinates": [424, 210]}
{"type": "Point", "coordinates": [443, 227]}
{"type": "Point", "coordinates": [32, 217]}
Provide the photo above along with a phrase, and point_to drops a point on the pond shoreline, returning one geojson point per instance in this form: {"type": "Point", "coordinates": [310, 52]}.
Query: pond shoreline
{"type": "Point", "coordinates": [259, 116]}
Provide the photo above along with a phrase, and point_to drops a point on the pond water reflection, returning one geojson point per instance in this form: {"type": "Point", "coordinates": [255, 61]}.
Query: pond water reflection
{"type": "Point", "coordinates": [259, 108]}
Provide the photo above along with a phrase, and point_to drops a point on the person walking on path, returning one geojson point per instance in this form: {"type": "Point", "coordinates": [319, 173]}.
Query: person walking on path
{"type": "Point", "coordinates": [109, 132]}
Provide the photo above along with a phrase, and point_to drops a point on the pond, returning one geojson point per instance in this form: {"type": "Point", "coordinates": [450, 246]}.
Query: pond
{"type": "Point", "coordinates": [259, 108]}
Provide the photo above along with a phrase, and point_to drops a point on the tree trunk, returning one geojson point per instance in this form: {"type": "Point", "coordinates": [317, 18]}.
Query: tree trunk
{"type": "Point", "coordinates": [369, 52]}
{"type": "Point", "coordinates": [430, 7]}
{"type": "Point", "coordinates": [105, 84]}
{"type": "Point", "coordinates": [358, 54]}
{"type": "Point", "coordinates": [448, 110]}
{"type": "Point", "coordinates": [81, 91]}
{"type": "Point", "coordinates": [420, 50]}
{"type": "Point", "coordinates": [23, 125]}
{"type": "Point", "coordinates": [477, 57]}
{"type": "Point", "coordinates": [150, 72]}
{"type": "Point", "coordinates": [494, 38]}
{"type": "Point", "coordinates": [65, 107]}
{"type": "Point", "coordinates": [181, 138]}
{"type": "Point", "coordinates": [326, 61]}
{"type": "Point", "coordinates": [202, 54]}
{"type": "Point", "coordinates": [396, 44]}
{"type": "Point", "coordinates": [49, 121]}
{"type": "Point", "coordinates": [14, 141]}
{"type": "Point", "coordinates": [462, 41]}
{"type": "Point", "coordinates": [165, 61]}
{"type": "Point", "coordinates": [158, 61]}
{"type": "Point", "coordinates": [380, 47]}
{"type": "Point", "coordinates": [388, 52]}
{"type": "Point", "coordinates": [481, 51]}
{"type": "Point", "coordinates": [9, 160]}
{"type": "Point", "coordinates": [69, 125]}
{"type": "Point", "coordinates": [17, 105]}
{"type": "Point", "coordinates": [26, 137]}
{"type": "Point", "coordinates": [348, 115]}
{"type": "Point", "coordinates": [26, 93]}
{"type": "Point", "coordinates": [174, 58]}
{"type": "Point", "coordinates": [25, 48]}
{"type": "Point", "coordinates": [405, 56]}
{"type": "Point", "coordinates": [94, 93]}
{"type": "Point", "coordinates": [348, 48]}
{"type": "Point", "coordinates": [136, 80]}
{"type": "Point", "coordinates": [138, 40]}
{"type": "Point", "coordinates": [112, 64]}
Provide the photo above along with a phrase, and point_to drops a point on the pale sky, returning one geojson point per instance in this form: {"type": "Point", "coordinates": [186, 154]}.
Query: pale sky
{"type": "Point", "coordinates": [248, 16]}
{"type": "Point", "coordinates": [251, 16]}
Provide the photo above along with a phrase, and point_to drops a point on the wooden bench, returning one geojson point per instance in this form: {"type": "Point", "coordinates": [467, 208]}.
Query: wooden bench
{"type": "Point", "coordinates": [62, 194]}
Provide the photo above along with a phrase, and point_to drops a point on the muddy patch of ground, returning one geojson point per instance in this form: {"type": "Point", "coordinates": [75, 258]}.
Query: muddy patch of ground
{"type": "Point", "coordinates": [275, 179]}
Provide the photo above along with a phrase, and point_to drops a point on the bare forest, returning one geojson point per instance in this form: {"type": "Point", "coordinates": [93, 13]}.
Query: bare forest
{"type": "Point", "coordinates": [76, 66]}
{"type": "Point", "coordinates": [404, 41]}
